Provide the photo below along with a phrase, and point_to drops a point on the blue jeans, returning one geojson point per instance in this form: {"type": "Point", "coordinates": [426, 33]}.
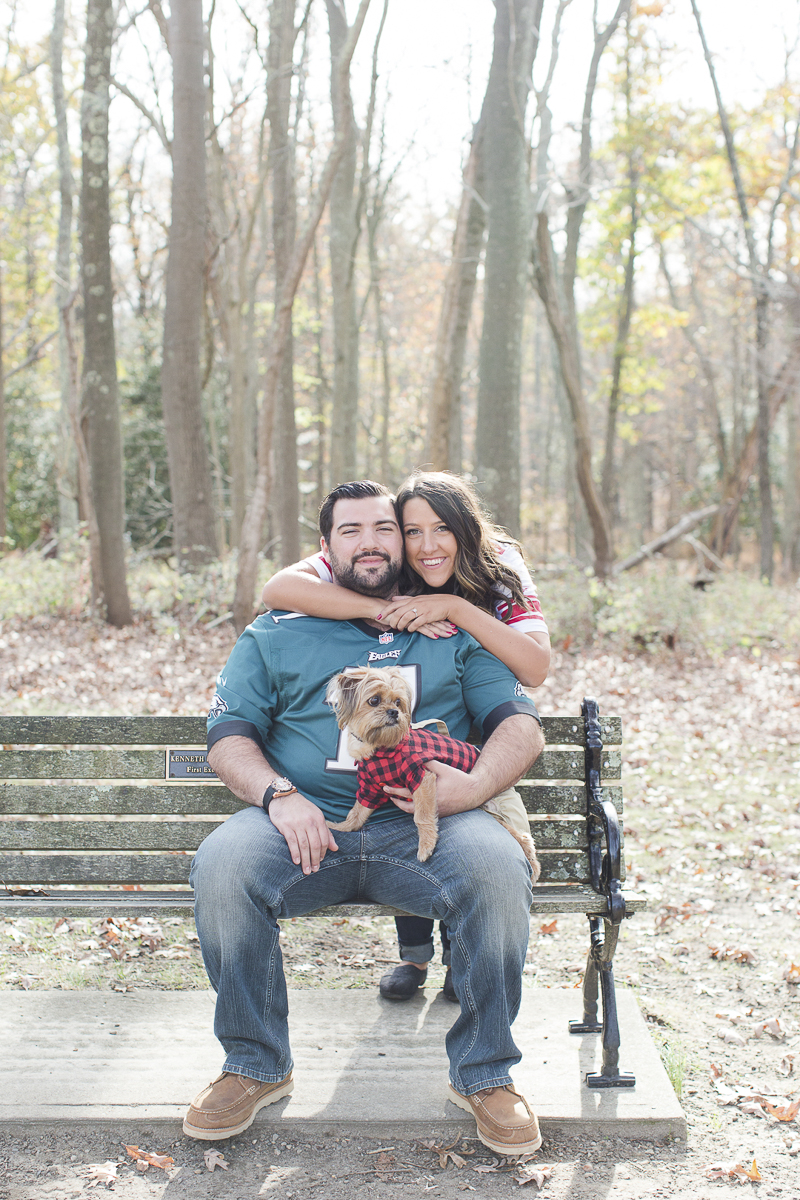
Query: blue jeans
{"type": "Point", "coordinates": [415, 940]}
{"type": "Point", "coordinates": [477, 881]}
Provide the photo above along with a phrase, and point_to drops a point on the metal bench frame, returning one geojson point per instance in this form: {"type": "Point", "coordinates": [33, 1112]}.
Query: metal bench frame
{"type": "Point", "coordinates": [63, 829]}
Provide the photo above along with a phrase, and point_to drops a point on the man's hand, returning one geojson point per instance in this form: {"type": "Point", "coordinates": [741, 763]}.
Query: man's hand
{"type": "Point", "coordinates": [302, 824]}
{"type": "Point", "coordinates": [455, 791]}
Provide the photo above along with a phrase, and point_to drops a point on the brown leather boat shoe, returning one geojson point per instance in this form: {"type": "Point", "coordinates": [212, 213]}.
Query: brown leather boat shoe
{"type": "Point", "coordinates": [504, 1118]}
{"type": "Point", "coordinates": [229, 1104]}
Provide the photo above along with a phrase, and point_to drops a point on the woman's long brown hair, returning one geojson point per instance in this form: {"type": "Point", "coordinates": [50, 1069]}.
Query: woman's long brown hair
{"type": "Point", "coordinates": [480, 577]}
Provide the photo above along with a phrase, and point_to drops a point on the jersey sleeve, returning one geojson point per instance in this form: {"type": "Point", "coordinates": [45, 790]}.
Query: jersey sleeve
{"type": "Point", "coordinates": [319, 563]}
{"type": "Point", "coordinates": [490, 691]}
{"type": "Point", "coordinates": [526, 620]}
{"type": "Point", "coordinates": [245, 698]}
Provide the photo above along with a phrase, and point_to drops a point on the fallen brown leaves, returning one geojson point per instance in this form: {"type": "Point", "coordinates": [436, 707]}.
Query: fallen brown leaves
{"type": "Point", "coordinates": [522, 1169]}
{"type": "Point", "coordinates": [213, 1158]}
{"type": "Point", "coordinates": [446, 1153]}
{"type": "Point", "coordinates": [756, 1104]}
{"type": "Point", "coordinates": [740, 954]}
{"type": "Point", "coordinates": [144, 1159]}
{"type": "Point", "coordinates": [530, 1173]}
{"type": "Point", "coordinates": [734, 1171]}
{"type": "Point", "coordinates": [106, 1174]}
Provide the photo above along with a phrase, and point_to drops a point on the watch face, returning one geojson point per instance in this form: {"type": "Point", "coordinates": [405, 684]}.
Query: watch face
{"type": "Point", "coordinates": [282, 785]}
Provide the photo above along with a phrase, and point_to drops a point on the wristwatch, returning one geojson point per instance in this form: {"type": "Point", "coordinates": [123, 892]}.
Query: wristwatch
{"type": "Point", "coordinates": [279, 788]}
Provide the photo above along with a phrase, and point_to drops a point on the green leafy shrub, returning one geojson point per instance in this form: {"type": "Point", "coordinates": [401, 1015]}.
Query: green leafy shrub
{"type": "Point", "coordinates": [657, 610]}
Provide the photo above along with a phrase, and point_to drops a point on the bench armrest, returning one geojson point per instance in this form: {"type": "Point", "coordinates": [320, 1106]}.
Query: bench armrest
{"type": "Point", "coordinates": [601, 820]}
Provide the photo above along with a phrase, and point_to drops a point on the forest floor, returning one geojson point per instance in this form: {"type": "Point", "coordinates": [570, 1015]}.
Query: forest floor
{"type": "Point", "coordinates": [712, 753]}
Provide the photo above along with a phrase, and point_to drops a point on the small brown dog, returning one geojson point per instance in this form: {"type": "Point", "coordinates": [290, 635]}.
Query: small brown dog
{"type": "Point", "coordinates": [374, 704]}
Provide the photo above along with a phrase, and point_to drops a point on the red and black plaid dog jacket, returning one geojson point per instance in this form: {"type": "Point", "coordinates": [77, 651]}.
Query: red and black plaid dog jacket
{"type": "Point", "coordinates": [405, 765]}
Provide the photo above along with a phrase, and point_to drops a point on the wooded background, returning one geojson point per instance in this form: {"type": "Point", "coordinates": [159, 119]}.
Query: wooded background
{"type": "Point", "coordinates": [220, 295]}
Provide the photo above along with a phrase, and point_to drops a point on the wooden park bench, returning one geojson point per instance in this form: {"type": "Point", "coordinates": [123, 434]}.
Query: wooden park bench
{"type": "Point", "coordinates": [75, 841]}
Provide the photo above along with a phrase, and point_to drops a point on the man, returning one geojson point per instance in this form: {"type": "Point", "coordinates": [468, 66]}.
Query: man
{"type": "Point", "coordinates": [276, 744]}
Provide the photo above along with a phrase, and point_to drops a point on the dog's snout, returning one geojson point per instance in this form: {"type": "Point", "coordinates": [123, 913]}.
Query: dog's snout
{"type": "Point", "coordinates": [392, 715]}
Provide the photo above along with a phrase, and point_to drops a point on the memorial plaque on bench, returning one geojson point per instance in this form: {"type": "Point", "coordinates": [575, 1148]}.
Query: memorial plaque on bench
{"type": "Point", "coordinates": [186, 763]}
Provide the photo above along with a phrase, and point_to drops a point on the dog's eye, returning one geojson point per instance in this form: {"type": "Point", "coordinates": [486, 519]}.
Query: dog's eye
{"type": "Point", "coordinates": [374, 701]}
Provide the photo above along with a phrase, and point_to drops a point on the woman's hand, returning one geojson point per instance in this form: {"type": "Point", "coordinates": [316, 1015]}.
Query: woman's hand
{"type": "Point", "coordinates": [414, 612]}
{"type": "Point", "coordinates": [401, 797]}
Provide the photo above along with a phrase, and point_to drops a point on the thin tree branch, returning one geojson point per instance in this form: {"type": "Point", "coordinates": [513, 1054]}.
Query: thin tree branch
{"type": "Point", "coordinates": [755, 265]}
{"type": "Point", "coordinates": [155, 121]}
{"type": "Point", "coordinates": [33, 357]}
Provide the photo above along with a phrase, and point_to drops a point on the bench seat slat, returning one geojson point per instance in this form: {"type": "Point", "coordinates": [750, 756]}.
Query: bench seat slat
{"type": "Point", "coordinates": [558, 866]}
{"type": "Point", "coordinates": [191, 731]}
{"type": "Point", "coordinates": [41, 870]}
{"type": "Point", "coordinates": [187, 835]}
{"type": "Point", "coordinates": [150, 764]}
{"type": "Point", "coordinates": [181, 903]}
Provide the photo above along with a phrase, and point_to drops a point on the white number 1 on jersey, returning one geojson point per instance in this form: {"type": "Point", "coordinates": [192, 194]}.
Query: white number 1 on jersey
{"type": "Point", "coordinates": [344, 760]}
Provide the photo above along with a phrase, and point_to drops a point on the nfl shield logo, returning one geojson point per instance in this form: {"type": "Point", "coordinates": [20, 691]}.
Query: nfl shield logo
{"type": "Point", "coordinates": [385, 638]}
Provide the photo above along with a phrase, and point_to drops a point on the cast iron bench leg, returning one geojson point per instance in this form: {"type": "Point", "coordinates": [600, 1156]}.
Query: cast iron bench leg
{"type": "Point", "coordinates": [599, 969]}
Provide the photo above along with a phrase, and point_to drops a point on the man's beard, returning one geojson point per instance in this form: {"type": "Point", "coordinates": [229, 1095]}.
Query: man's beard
{"type": "Point", "coordinates": [372, 581]}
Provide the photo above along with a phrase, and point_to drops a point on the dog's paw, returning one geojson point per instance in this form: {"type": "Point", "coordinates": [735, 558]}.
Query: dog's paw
{"type": "Point", "coordinates": [427, 844]}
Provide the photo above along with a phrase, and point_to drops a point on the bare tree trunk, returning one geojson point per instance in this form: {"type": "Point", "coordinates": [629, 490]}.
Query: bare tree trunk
{"type": "Point", "coordinates": [444, 442]}
{"type": "Point", "coordinates": [100, 401]}
{"type": "Point", "coordinates": [194, 531]}
{"type": "Point", "coordinates": [566, 344]}
{"type": "Point", "coordinates": [344, 230]}
{"type": "Point", "coordinates": [760, 279]}
{"type": "Point", "coordinates": [250, 541]}
{"type": "Point", "coordinates": [625, 314]}
{"type": "Point", "coordinates": [382, 339]}
{"type": "Point", "coordinates": [3, 455]}
{"type": "Point", "coordinates": [738, 479]}
{"type": "Point", "coordinates": [497, 465]}
{"type": "Point", "coordinates": [559, 302]}
{"type": "Point", "coordinates": [233, 282]}
{"type": "Point", "coordinates": [322, 388]}
{"type": "Point", "coordinates": [66, 466]}
{"type": "Point", "coordinates": [711, 391]}
{"type": "Point", "coordinates": [86, 509]}
{"type": "Point", "coordinates": [282, 36]}
{"type": "Point", "coordinates": [791, 491]}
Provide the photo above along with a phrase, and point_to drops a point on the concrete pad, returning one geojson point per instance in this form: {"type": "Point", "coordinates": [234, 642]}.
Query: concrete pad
{"type": "Point", "coordinates": [361, 1063]}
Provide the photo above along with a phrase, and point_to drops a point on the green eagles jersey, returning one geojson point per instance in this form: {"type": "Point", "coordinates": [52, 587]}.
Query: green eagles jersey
{"type": "Point", "coordinates": [272, 690]}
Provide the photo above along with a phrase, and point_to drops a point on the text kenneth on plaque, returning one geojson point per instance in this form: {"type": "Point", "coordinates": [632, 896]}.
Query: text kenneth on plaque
{"type": "Point", "coordinates": [186, 763]}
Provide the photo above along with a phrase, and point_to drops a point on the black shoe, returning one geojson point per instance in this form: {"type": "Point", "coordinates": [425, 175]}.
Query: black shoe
{"type": "Point", "coordinates": [448, 989]}
{"type": "Point", "coordinates": [402, 982]}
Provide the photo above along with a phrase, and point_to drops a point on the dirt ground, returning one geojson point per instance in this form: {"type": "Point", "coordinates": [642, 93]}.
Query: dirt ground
{"type": "Point", "coordinates": [712, 756]}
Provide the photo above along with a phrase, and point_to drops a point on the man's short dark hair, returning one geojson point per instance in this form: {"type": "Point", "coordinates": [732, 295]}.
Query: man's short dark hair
{"type": "Point", "coordinates": [358, 489]}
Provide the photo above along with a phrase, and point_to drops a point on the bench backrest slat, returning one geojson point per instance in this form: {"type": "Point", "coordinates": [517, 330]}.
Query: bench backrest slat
{"type": "Point", "coordinates": [167, 799]}
{"type": "Point", "coordinates": [151, 764]}
{"type": "Point", "coordinates": [191, 731]}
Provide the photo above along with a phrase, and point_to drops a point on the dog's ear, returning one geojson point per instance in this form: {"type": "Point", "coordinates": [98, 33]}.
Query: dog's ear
{"type": "Point", "coordinates": [342, 694]}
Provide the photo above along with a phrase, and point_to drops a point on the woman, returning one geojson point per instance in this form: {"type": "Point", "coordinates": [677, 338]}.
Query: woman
{"type": "Point", "coordinates": [461, 572]}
